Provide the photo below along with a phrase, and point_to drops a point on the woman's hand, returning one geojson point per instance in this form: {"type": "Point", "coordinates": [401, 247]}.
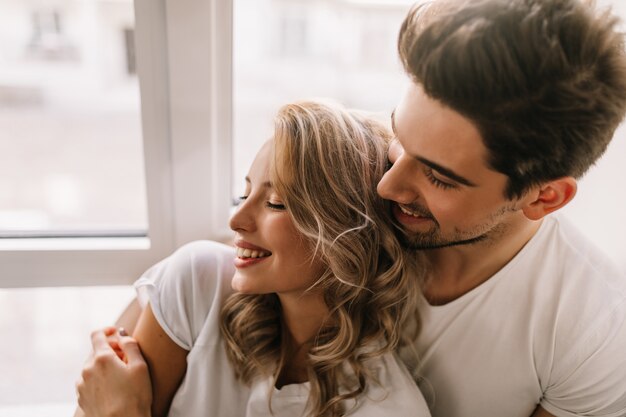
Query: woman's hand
{"type": "Point", "coordinates": [115, 381]}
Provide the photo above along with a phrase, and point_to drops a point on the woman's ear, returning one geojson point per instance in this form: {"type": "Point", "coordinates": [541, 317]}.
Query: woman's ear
{"type": "Point", "coordinates": [550, 197]}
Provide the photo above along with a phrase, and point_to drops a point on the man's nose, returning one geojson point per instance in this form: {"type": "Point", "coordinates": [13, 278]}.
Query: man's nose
{"type": "Point", "coordinates": [399, 183]}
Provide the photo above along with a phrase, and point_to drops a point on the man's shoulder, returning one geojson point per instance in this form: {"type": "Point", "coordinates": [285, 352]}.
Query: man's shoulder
{"type": "Point", "coordinates": [562, 256]}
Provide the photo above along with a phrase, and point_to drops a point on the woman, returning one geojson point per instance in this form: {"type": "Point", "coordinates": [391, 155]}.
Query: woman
{"type": "Point", "coordinates": [322, 288]}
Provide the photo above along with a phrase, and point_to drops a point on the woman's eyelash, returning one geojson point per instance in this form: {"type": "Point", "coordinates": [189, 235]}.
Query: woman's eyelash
{"type": "Point", "coordinates": [276, 206]}
{"type": "Point", "coordinates": [273, 206]}
{"type": "Point", "coordinates": [437, 182]}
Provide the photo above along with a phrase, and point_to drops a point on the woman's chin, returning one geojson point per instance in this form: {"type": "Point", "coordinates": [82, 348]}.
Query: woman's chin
{"type": "Point", "coordinates": [243, 285]}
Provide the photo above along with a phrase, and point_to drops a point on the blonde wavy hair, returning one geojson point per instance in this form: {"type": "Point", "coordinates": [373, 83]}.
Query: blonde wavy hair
{"type": "Point", "coordinates": [327, 163]}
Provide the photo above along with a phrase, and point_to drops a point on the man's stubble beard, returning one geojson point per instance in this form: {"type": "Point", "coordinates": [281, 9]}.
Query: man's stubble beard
{"type": "Point", "coordinates": [489, 232]}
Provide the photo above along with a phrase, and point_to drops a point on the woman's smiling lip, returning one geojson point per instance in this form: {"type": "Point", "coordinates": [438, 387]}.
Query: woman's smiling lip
{"type": "Point", "coordinates": [244, 262]}
{"type": "Point", "coordinates": [240, 243]}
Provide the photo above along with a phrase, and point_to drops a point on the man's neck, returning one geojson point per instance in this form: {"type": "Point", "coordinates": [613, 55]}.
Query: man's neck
{"type": "Point", "coordinates": [456, 270]}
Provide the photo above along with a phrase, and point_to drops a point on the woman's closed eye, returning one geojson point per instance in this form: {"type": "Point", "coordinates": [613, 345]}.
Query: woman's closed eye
{"type": "Point", "coordinates": [276, 206]}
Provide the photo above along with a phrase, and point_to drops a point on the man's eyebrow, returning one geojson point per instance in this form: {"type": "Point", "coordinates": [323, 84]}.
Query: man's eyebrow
{"type": "Point", "coordinates": [433, 165]}
{"type": "Point", "coordinates": [445, 171]}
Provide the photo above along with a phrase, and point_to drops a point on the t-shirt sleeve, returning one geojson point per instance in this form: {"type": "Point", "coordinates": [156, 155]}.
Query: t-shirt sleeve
{"type": "Point", "coordinates": [187, 288]}
{"type": "Point", "coordinates": [591, 379]}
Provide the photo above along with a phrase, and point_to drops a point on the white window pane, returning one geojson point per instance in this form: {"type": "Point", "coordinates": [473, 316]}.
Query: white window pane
{"type": "Point", "coordinates": [71, 158]}
{"type": "Point", "coordinates": [286, 50]}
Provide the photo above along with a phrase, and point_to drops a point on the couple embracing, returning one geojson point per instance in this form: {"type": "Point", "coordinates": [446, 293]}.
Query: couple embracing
{"type": "Point", "coordinates": [412, 272]}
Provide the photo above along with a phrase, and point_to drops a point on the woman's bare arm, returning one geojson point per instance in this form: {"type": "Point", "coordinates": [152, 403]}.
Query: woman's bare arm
{"type": "Point", "coordinates": [166, 361]}
{"type": "Point", "coordinates": [129, 317]}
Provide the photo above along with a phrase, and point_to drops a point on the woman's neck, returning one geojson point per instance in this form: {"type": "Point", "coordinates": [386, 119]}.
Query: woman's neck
{"type": "Point", "coordinates": [303, 316]}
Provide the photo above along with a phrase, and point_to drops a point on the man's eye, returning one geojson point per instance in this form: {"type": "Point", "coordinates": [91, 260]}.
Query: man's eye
{"type": "Point", "coordinates": [436, 181]}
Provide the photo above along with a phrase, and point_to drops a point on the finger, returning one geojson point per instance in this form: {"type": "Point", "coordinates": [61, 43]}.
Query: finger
{"type": "Point", "coordinates": [131, 351]}
{"type": "Point", "coordinates": [114, 342]}
{"type": "Point", "coordinates": [99, 342]}
{"type": "Point", "coordinates": [120, 354]}
{"type": "Point", "coordinates": [110, 330]}
{"type": "Point", "coordinates": [79, 387]}
{"type": "Point", "coordinates": [113, 338]}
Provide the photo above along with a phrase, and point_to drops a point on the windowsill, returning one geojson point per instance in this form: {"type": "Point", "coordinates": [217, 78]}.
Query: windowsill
{"type": "Point", "coordinates": [74, 243]}
{"type": "Point", "coordinates": [48, 410]}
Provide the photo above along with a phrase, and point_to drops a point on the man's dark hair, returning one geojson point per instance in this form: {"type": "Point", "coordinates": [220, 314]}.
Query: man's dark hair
{"type": "Point", "coordinates": [544, 81]}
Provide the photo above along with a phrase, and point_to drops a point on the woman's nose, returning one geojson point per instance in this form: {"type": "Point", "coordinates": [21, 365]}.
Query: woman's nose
{"type": "Point", "coordinates": [243, 217]}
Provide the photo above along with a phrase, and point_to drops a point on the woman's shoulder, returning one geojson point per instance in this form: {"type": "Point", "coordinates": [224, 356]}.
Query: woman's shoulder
{"type": "Point", "coordinates": [187, 288]}
{"type": "Point", "coordinates": [202, 254]}
{"type": "Point", "coordinates": [200, 264]}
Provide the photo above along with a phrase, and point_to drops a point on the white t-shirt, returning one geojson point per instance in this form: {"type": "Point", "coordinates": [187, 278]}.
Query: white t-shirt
{"type": "Point", "coordinates": [186, 292]}
{"type": "Point", "coordinates": [549, 328]}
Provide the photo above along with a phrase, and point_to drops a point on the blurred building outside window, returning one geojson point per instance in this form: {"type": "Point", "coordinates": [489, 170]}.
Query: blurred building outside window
{"type": "Point", "coordinates": [71, 159]}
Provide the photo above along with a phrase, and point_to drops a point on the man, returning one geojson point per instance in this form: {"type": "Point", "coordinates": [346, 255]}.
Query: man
{"type": "Point", "coordinates": [511, 102]}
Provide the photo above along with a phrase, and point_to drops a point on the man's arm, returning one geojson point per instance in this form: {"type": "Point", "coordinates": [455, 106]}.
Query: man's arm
{"type": "Point", "coordinates": [111, 386]}
{"type": "Point", "coordinates": [127, 320]}
{"type": "Point", "coordinates": [114, 383]}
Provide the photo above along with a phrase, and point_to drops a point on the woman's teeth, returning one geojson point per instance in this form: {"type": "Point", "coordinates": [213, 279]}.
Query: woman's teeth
{"type": "Point", "coordinates": [407, 211]}
{"type": "Point", "coordinates": [249, 253]}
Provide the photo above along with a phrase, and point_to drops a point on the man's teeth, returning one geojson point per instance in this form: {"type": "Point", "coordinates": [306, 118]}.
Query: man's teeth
{"type": "Point", "coordinates": [249, 253]}
{"type": "Point", "coordinates": [408, 212]}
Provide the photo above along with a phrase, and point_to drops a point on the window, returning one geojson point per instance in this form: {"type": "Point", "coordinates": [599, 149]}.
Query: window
{"type": "Point", "coordinates": [286, 50]}
{"type": "Point", "coordinates": [206, 107]}
{"type": "Point", "coordinates": [71, 162]}
{"type": "Point", "coordinates": [171, 166]}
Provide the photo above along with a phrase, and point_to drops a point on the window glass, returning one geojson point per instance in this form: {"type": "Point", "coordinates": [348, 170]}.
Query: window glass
{"type": "Point", "coordinates": [71, 158]}
{"type": "Point", "coordinates": [286, 50]}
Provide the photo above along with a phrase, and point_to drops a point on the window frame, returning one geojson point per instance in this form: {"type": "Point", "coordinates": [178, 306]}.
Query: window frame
{"type": "Point", "coordinates": [186, 115]}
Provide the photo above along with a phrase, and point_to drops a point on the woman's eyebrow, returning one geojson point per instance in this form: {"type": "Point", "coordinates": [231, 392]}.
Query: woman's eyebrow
{"type": "Point", "coordinates": [265, 184]}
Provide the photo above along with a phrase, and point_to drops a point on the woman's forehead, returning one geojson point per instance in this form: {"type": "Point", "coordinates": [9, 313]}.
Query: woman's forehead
{"type": "Point", "coordinates": [259, 170]}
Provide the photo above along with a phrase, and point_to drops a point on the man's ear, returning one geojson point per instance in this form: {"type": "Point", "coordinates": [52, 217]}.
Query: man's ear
{"type": "Point", "coordinates": [550, 197]}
